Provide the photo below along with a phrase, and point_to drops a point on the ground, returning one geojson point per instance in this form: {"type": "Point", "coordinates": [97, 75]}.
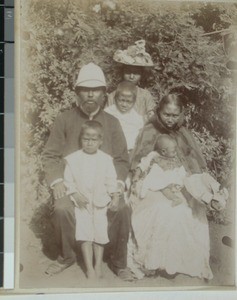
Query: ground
{"type": "Point", "coordinates": [34, 262]}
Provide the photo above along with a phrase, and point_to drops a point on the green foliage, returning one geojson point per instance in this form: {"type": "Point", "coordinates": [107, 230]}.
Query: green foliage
{"type": "Point", "coordinates": [215, 16]}
{"type": "Point", "coordinates": [58, 37]}
{"type": "Point", "coordinates": [218, 153]}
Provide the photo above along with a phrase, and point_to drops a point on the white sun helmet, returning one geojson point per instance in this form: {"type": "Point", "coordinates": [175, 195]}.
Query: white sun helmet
{"type": "Point", "coordinates": [91, 76]}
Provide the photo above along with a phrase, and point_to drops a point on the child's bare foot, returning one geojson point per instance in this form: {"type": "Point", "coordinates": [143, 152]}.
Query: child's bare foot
{"type": "Point", "coordinates": [148, 273]}
{"type": "Point", "coordinates": [98, 272]}
{"type": "Point", "coordinates": [91, 274]}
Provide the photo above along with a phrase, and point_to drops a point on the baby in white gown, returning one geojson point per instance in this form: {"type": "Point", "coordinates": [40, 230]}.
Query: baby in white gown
{"type": "Point", "coordinates": [161, 170]}
{"type": "Point", "coordinates": [162, 218]}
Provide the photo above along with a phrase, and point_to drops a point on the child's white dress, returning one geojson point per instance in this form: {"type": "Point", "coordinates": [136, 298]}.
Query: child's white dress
{"type": "Point", "coordinates": [168, 237]}
{"type": "Point", "coordinates": [94, 176]}
{"type": "Point", "coordinates": [131, 123]}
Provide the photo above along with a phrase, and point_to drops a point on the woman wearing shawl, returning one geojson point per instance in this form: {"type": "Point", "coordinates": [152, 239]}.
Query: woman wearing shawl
{"type": "Point", "coordinates": [169, 239]}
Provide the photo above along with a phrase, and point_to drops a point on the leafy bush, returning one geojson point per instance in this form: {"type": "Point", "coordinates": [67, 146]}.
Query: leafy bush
{"type": "Point", "coordinates": [58, 37]}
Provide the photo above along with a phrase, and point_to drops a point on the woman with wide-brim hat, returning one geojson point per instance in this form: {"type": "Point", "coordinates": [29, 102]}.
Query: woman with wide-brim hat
{"type": "Point", "coordinates": [135, 61]}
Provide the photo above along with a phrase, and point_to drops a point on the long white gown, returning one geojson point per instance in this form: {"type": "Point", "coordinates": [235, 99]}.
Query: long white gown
{"type": "Point", "coordinates": [168, 237]}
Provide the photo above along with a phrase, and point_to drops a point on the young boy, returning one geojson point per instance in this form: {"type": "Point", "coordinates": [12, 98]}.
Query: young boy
{"type": "Point", "coordinates": [162, 170]}
{"type": "Point", "coordinates": [91, 182]}
{"type": "Point", "coordinates": [123, 109]}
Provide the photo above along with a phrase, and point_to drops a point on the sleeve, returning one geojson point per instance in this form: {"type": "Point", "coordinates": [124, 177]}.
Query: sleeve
{"type": "Point", "coordinates": [150, 102]}
{"type": "Point", "coordinates": [178, 176]}
{"type": "Point", "coordinates": [69, 180]}
{"type": "Point", "coordinates": [52, 157]}
{"type": "Point", "coordinates": [111, 178]}
{"type": "Point", "coordinates": [56, 181]}
{"type": "Point", "coordinates": [197, 160]}
{"type": "Point", "coordinates": [146, 161]}
{"type": "Point", "coordinates": [199, 189]}
{"type": "Point", "coordinates": [144, 144]}
{"type": "Point", "coordinates": [207, 197]}
{"type": "Point", "coordinates": [156, 180]}
{"type": "Point", "coordinates": [208, 179]}
{"type": "Point", "coordinates": [213, 187]}
{"type": "Point", "coordinates": [119, 150]}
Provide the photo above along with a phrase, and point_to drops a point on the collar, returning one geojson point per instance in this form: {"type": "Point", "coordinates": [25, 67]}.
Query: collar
{"type": "Point", "coordinates": [92, 115]}
{"type": "Point", "coordinates": [167, 163]}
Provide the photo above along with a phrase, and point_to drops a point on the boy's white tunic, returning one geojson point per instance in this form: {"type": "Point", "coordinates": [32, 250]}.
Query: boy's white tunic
{"type": "Point", "coordinates": [131, 123]}
{"type": "Point", "coordinates": [94, 176]}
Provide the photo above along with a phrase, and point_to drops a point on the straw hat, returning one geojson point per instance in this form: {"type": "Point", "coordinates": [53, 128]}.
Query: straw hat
{"type": "Point", "coordinates": [134, 55]}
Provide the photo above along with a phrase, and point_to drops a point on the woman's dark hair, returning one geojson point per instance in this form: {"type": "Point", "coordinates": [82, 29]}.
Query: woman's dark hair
{"type": "Point", "coordinates": [145, 73]}
{"type": "Point", "coordinates": [176, 99]}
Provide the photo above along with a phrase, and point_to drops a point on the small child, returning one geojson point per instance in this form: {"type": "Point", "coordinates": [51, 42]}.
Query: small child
{"type": "Point", "coordinates": [123, 109]}
{"type": "Point", "coordinates": [90, 178]}
{"type": "Point", "coordinates": [136, 62]}
{"type": "Point", "coordinates": [161, 170]}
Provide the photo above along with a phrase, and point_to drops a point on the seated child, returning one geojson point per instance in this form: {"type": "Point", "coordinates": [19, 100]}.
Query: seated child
{"type": "Point", "coordinates": [90, 178]}
{"type": "Point", "coordinates": [123, 109]}
{"type": "Point", "coordinates": [161, 170]}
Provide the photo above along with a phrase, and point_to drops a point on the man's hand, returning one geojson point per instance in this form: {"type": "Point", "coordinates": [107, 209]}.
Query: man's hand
{"type": "Point", "coordinates": [114, 204]}
{"type": "Point", "coordinates": [59, 190]}
{"type": "Point", "coordinates": [80, 200]}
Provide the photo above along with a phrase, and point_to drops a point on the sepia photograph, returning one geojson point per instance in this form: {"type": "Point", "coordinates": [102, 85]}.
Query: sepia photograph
{"type": "Point", "coordinates": [126, 145]}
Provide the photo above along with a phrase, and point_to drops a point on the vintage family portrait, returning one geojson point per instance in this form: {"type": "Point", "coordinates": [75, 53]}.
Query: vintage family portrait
{"type": "Point", "coordinates": [126, 144]}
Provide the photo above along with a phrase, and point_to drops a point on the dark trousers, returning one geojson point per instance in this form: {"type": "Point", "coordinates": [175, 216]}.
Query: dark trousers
{"type": "Point", "coordinates": [64, 227]}
{"type": "Point", "coordinates": [118, 230]}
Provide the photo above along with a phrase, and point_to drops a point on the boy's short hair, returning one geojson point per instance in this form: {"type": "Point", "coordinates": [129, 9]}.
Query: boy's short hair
{"type": "Point", "coordinates": [159, 145]}
{"type": "Point", "coordinates": [126, 86]}
{"type": "Point", "coordinates": [94, 125]}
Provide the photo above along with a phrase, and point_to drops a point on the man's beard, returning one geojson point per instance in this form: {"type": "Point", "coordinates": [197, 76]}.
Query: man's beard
{"type": "Point", "coordinates": [89, 108]}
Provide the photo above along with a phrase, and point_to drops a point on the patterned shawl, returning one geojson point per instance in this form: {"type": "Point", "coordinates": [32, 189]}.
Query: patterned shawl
{"type": "Point", "coordinates": [188, 152]}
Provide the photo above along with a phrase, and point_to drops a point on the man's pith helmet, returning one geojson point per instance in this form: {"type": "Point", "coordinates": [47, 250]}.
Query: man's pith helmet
{"type": "Point", "coordinates": [91, 76]}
